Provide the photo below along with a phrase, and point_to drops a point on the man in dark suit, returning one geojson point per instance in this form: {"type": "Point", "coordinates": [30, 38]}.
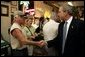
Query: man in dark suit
{"type": "Point", "coordinates": [70, 40]}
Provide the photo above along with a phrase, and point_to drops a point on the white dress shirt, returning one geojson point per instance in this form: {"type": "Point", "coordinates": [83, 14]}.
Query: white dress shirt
{"type": "Point", "coordinates": [68, 24]}
{"type": "Point", "coordinates": [50, 30]}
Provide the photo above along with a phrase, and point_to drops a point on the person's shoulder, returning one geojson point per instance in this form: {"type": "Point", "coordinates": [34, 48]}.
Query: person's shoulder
{"type": "Point", "coordinates": [57, 23]}
{"type": "Point", "coordinates": [33, 27]}
{"type": "Point", "coordinates": [47, 24]}
{"type": "Point", "coordinates": [79, 21]}
{"type": "Point", "coordinates": [15, 25]}
{"type": "Point", "coordinates": [24, 27]}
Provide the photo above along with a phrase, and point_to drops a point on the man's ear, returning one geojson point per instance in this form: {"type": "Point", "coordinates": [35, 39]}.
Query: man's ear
{"type": "Point", "coordinates": [65, 12]}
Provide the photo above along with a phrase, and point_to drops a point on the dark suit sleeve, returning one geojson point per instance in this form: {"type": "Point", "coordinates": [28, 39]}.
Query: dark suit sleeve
{"type": "Point", "coordinates": [52, 42]}
{"type": "Point", "coordinates": [82, 38]}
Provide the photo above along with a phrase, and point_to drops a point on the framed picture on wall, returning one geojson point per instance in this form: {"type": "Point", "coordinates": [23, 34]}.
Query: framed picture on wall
{"type": "Point", "coordinates": [14, 3]}
{"type": "Point", "coordinates": [13, 9]}
{"type": "Point", "coordinates": [4, 10]}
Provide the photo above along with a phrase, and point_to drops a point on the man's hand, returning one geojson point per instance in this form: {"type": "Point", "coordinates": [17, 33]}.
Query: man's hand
{"type": "Point", "coordinates": [41, 43]}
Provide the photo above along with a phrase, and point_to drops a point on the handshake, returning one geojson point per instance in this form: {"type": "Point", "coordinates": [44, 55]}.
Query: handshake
{"type": "Point", "coordinates": [41, 43]}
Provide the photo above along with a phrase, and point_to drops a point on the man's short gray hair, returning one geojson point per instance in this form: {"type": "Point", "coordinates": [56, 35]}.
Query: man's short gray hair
{"type": "Point", "coordinates": [67, 8]}
{"type": "Point", "coordinates": [19, 13]}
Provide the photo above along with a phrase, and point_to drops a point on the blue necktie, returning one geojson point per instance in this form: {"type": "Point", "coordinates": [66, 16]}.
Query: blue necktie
{"type": "Point", "coordinates": [64, 36]}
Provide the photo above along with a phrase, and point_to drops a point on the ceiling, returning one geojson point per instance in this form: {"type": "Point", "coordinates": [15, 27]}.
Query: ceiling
{"type": "Point", "coordinates": [58, 3]}
{"type": "Point", "coordinates": [78, 3]}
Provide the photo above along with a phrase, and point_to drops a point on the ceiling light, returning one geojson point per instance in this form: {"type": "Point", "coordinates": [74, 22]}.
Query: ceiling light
{"type": "Point", "coordinates": [70, 3]}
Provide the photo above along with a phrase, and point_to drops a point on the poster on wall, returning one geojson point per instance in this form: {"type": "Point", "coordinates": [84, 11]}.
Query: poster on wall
{"type": "Point", "coordinates": [4, 10]}
{"type": "Point", "coordinates": [14, 3]}
{"type": "Point", "coordinates": [30, 11]}
{"type": "Point", "coordinates": [13, 9]}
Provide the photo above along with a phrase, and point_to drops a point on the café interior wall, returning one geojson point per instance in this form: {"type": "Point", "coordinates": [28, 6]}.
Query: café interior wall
{"type": "Point", "coordinates": [42, 9]}
{"type": "Point", "coordinates": [6, 22]}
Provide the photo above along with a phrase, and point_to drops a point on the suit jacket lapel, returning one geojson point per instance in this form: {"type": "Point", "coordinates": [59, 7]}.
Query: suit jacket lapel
{"type": "Point", "coordinates": [71, 27]}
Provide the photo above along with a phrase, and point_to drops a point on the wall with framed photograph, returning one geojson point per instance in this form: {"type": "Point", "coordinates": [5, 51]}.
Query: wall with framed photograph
{"type": "Point", "coordinates": [14, 3]}
{"type": "Point", "coordinates": [13, 6]}
{"type": "Point", "coordinates": [6, 17]}
{"type": "Point", "coordinates": [13, 9]}
{"type": "Point", "coordinates": [4, 10]}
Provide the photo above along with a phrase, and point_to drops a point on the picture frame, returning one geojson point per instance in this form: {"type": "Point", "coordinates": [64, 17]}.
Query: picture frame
{"type": "Point", "coordinates": [13, 9]}
{"type": "Point", "coordinates": [4, 10]}
{"type": "Point", "coordinates": [14, 3]}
